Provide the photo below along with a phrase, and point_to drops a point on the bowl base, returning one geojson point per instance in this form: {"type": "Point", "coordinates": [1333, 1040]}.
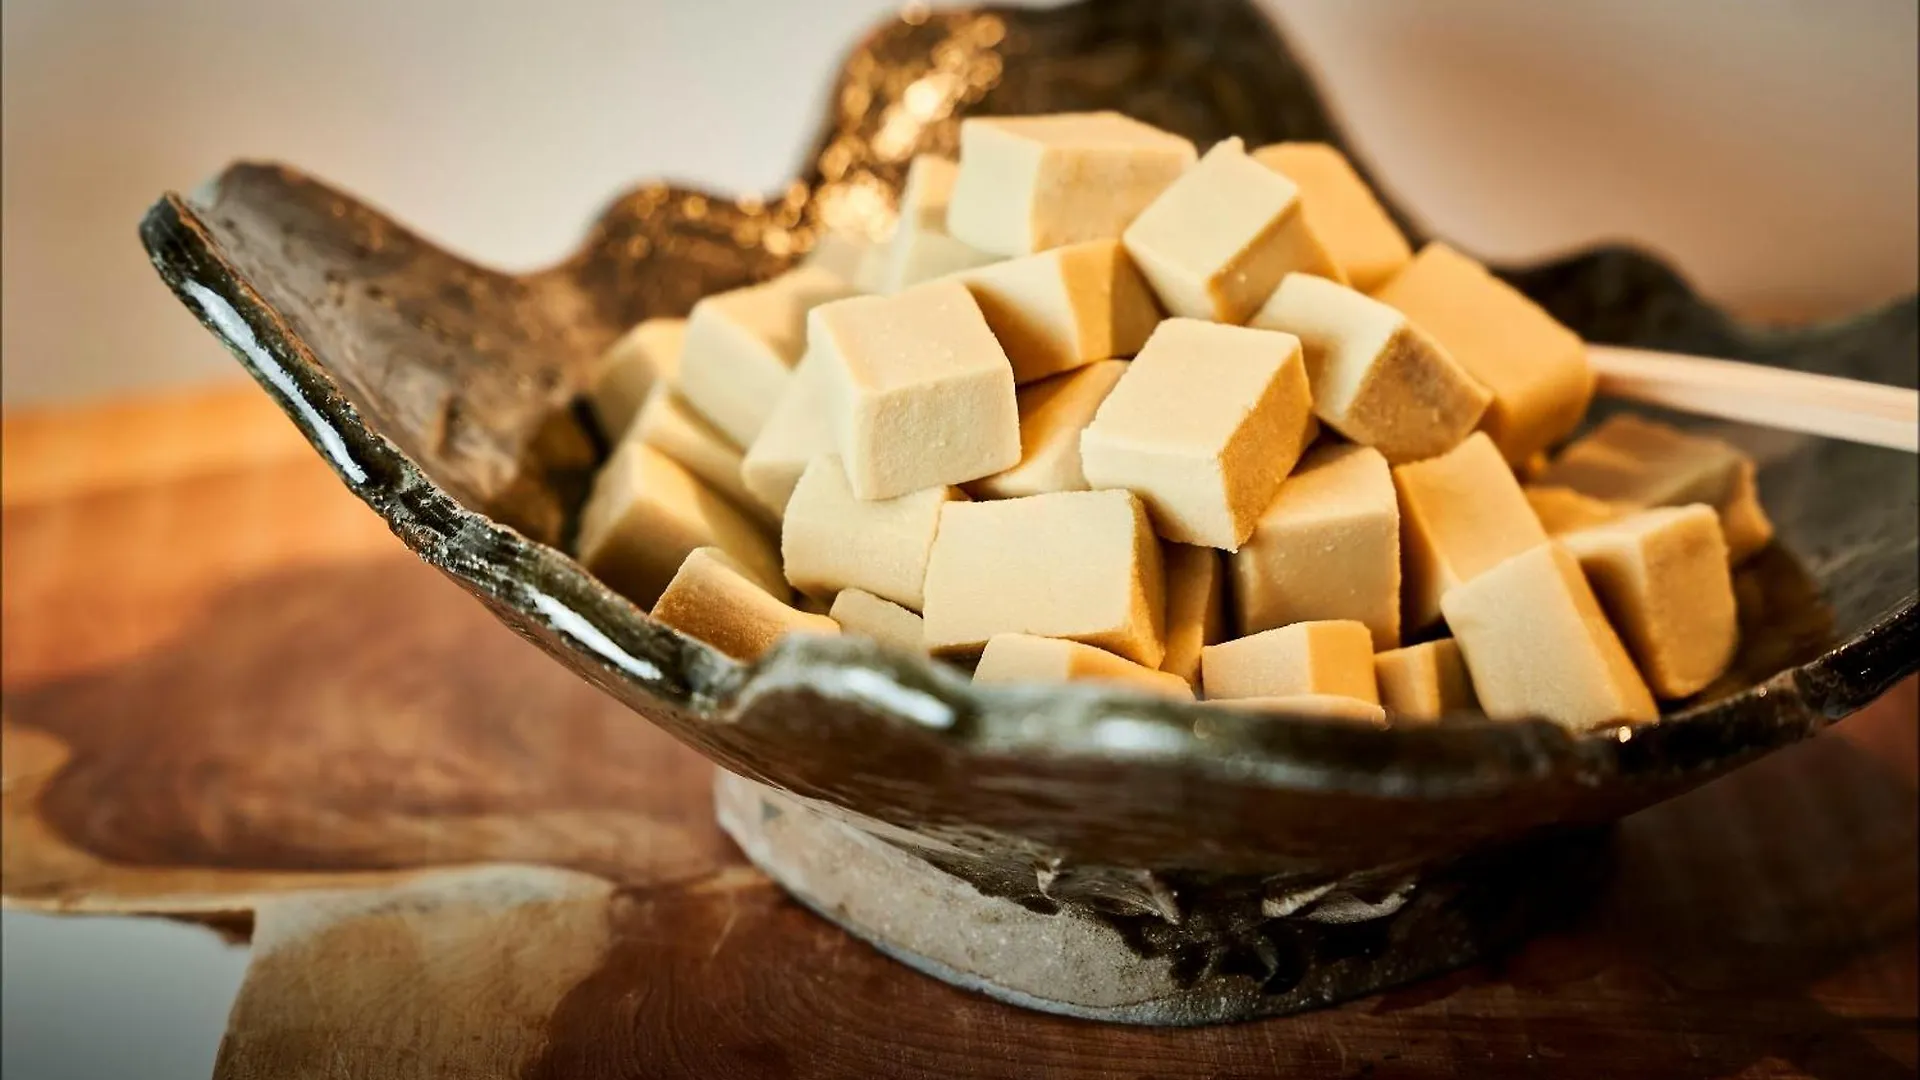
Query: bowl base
{"type": "Point", "coordinates": [1303, 949]}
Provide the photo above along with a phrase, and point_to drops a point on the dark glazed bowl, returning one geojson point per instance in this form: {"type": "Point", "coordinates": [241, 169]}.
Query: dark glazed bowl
{"type": "Point", "coordinates": [1260, 864]}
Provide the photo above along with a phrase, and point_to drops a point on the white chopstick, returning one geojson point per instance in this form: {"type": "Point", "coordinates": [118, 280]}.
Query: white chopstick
{"type": "Point", "coordinates": [1836, 408]}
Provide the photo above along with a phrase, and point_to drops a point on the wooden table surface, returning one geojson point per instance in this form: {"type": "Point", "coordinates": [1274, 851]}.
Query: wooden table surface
{"type": "Point", "coordinates": [230, 693]}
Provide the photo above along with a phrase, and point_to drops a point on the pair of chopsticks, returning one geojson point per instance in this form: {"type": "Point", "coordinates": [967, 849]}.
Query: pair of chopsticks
{"type": "Point", "coordinates": [1848, 409]}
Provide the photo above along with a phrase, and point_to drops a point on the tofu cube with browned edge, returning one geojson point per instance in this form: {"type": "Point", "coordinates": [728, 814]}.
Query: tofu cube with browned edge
{"type": "Point", "coordinates": [1357, 231]}
{"type": "Point", "coordinates": [832, 541]}
{"type": "Point", "coordinates": [1196, 606]}
{"type": "Point", "coordinates": [1026, 658]}
{"type": "Point", "coordinates": [1330, 657]}
{"type": "Point", "coordinates": [741, 346]}
{"type": "Point", "coordinates": [1460, 513]}
{"type": "Point", "coordinates": [1064, 308]}
{"type": "Point", "coordinates": [645, 356]}
{"type": "Point", "coordinates": [861, 612]}
{"type": "Point", "coordinates": [1425, 681]}
{"type": "Point", "coordinates": [712, 598]}
{"type": "Point", "coordinates": [1053, 413]}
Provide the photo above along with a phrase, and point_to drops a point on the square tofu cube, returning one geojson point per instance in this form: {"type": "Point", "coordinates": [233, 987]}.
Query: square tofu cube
{"type": "Point", "coordinates": [1363, 240]}
{"type": "Point", "coordinates": [1562, 509]}
{"type": "Point", "coordinates": [1063, 308]}
{"type": "Point", "coordinates": [922, 249]}
{"type": "Point", "coordinates": [1203, 426]}
{"type": "Point", "coordinates": [1082, 565]}
{"type": "Point", "coordinates": [647, 512]}
{"type": "Point", "coordinates": [1024, 658]}
{"type": "Point", "coordinates": [799, 430]}
{"type": "Point", "coordinates": [1635, 462]}
{"type": "Point", "coordinates": [1663, 579]}
{"type": "Point", "coordinates": [1460, 514]}
{"type": "Point", "coordinates": [1326, 547]}
{"type": "Point", "coordinates": [1424, 681]}
{"type": "Point", "coordinates": [712, 598]}
{"type": "Point", "coordinates": [1216, 242]}
{"type": "Point", "coordinates": [646, 355]}
{"type": "Point", "coordinates": [833, 541]}
{"type": "Point", "coordinates": [1538, 644]}
{"type": "Point", "coordinates": [741, 347]}
{"type": "Point", "coordinates": [919, 391]}
{"type": "Point", "coordinates": [1333, 657]}
{"type": "Point", "coordinates": [1376, 378]}
{"type": "Point", "coordinates": [669, 426]}
{"type": "Point", "coordinates": [884, 621]}
{"type": "Point", "coordinates": [1053, 413]}
{"type": "Point", "coordinates": [1030, 183]}
{"type": "Point", "coordinates": [1196, 606]}
{"type": "Point", "coordinates": [1535, 368]}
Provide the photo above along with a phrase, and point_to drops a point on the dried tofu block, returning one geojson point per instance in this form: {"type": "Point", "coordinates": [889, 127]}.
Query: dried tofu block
{"type": "Point", "coordinates": [1536, 369]}
{"type": "Point", "coordinates": [1537, 644]}
{"type": "Point", "coordinates": [800, 429]}
{"type": "Point", "coordinates": [712, 598]}
{"type": "Point", "coordinates": [1030, 183]}
{"type": "Point", "coordinates": [1637, 462]}
{"type": "Point", "coordinates": [833, 541]}
{"type": "Point", "coordinates": [646, 355]}
{"type": "Point", "coordinates": [1662, 576]}
{"type": "Point", "coordinates": [1460, 514]}
{"type": "Point", "coordinates": [1326, 547]}
{"type": "Point", "coordinates": [1070, 564]}
{"type": "Point", "coordinates": [1330, 657]}
{"type": "Point", "coordinates": [919, 391]}
{"type": "Point", "coordinates": [1330, 706]}
{"type": "Point", "coordinates": [1053, 413]}
{"type": "Point", "coordinates": [1196, 606]}
{"type": "Point", "coordinates": [669, 426]}
{"type": "Point", "coordinates": [922, 249]}
{"type": "Point", "coordinates": [1203, 426]}
{"type": "Point", "coordinates": [1218, 241]}
{"type": "Point", "coordinates": [646, 512]}
{"type": "Point", "coordinates": [1562, 509]}
{"type": "Point", "coordinates": [884, 621]}
{"type": "Point", "coordinates": [741, 347]}
{"type": "Point", "coordinates": [1342, 210]}
{"type": "Point", "coordinates": [1020, 658]}
{"type": "Point", "coordinates": [1377, 379]}
{"type": "Point", "coordinates": [1424, 681]}
{"type": "Point", "coordinates": [1063, 308]}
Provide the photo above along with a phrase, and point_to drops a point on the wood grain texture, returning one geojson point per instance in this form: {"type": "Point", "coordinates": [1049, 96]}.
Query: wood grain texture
{"type": "Point", "coordinates": [227, 689]}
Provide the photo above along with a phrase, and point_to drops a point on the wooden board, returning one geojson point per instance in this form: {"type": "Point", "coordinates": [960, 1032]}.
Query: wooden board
{"type": "Point", "coordinates": [228, 689]}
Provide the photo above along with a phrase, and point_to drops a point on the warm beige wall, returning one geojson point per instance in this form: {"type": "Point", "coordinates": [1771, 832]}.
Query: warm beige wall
{"type": "Point", "coordinates": [1768, 145]}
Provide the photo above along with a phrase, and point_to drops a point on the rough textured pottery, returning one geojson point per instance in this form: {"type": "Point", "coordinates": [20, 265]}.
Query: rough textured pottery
{"type": "Point", "coordinates": [1184, 865]}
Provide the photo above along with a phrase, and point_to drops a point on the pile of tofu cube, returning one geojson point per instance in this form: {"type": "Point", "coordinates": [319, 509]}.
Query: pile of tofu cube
{"type": "Point", "coordinates": [1107, 409]}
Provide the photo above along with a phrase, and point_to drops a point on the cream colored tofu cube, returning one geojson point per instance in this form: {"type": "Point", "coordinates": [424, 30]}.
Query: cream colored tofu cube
{"type": "Point", "coordinates": [921, 248]}
{"type": "Point", "coordinates": [1026, 658]}
{"type": "Point", "coordinates": [800, 429]}
{"type": "Point", "coordinates": [833, 541]}
{"type": "Point", "coordinates": [1342, 210]}
{"type": "Point", "coordinates": [1216, 243]}
{"type": "Point", "coordinates": [646, 355]}
{"type": "Point", "coordinates": [1662, 577]}
{"type": "Point", "coordinates": [1330, 657]}
{"type": "Point", "coordinates": [1535, 368]}
{"type": "Point", "coordinates": [1636, 462]}
{"type": "Point", "coordinates": [1537, 644]}
{"type": "Point", "coordinates": [1082, 565]}
{"type": "Point", "coordinates": [1562, 509]}
{"type": "Point", "coordinates": [646, 512]}
{"type": "Point", "coordinates": [1327, 706]}
{"type": "Point", "coordinates": [840, 253]}
{"type": "Point", "coordinates": [920, 393]}
{"type": "Point", "coordinates": [669, 426]}
{"type": "Point", "coordinates": [1196, 606]}
{"type": "Point", "coordinates": [1377, 379]}
{"type": "Point", "coordinates": [1064, 308]}
{"type": "Point", "coordinates": [1425, 681]}
{"type": "Point", "coordinates": [1326, 547]}
{"type": "Point", "coordinates": [1460, 514]}
{"type": "Point", "coordinates": [712, 598]}
{"type": "Point", "coordinates": [1030, 183]}
{"type": "Point", "coordinates": [1203, 426]}
{"type": "Point", "coordinates": [741, 347]}
{"type": "Point", "coordinates": [1053, 413]}
{"type": "Point", "coordinates": [861, 612]}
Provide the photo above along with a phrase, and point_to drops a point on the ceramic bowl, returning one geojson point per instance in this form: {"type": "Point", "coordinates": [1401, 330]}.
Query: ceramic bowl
{"type": "Point", "coordinates": [1228, 864]}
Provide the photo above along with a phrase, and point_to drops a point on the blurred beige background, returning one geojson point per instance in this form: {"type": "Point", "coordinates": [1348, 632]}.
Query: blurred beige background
{"type": "Point", "coordinates": [1767, 145]}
